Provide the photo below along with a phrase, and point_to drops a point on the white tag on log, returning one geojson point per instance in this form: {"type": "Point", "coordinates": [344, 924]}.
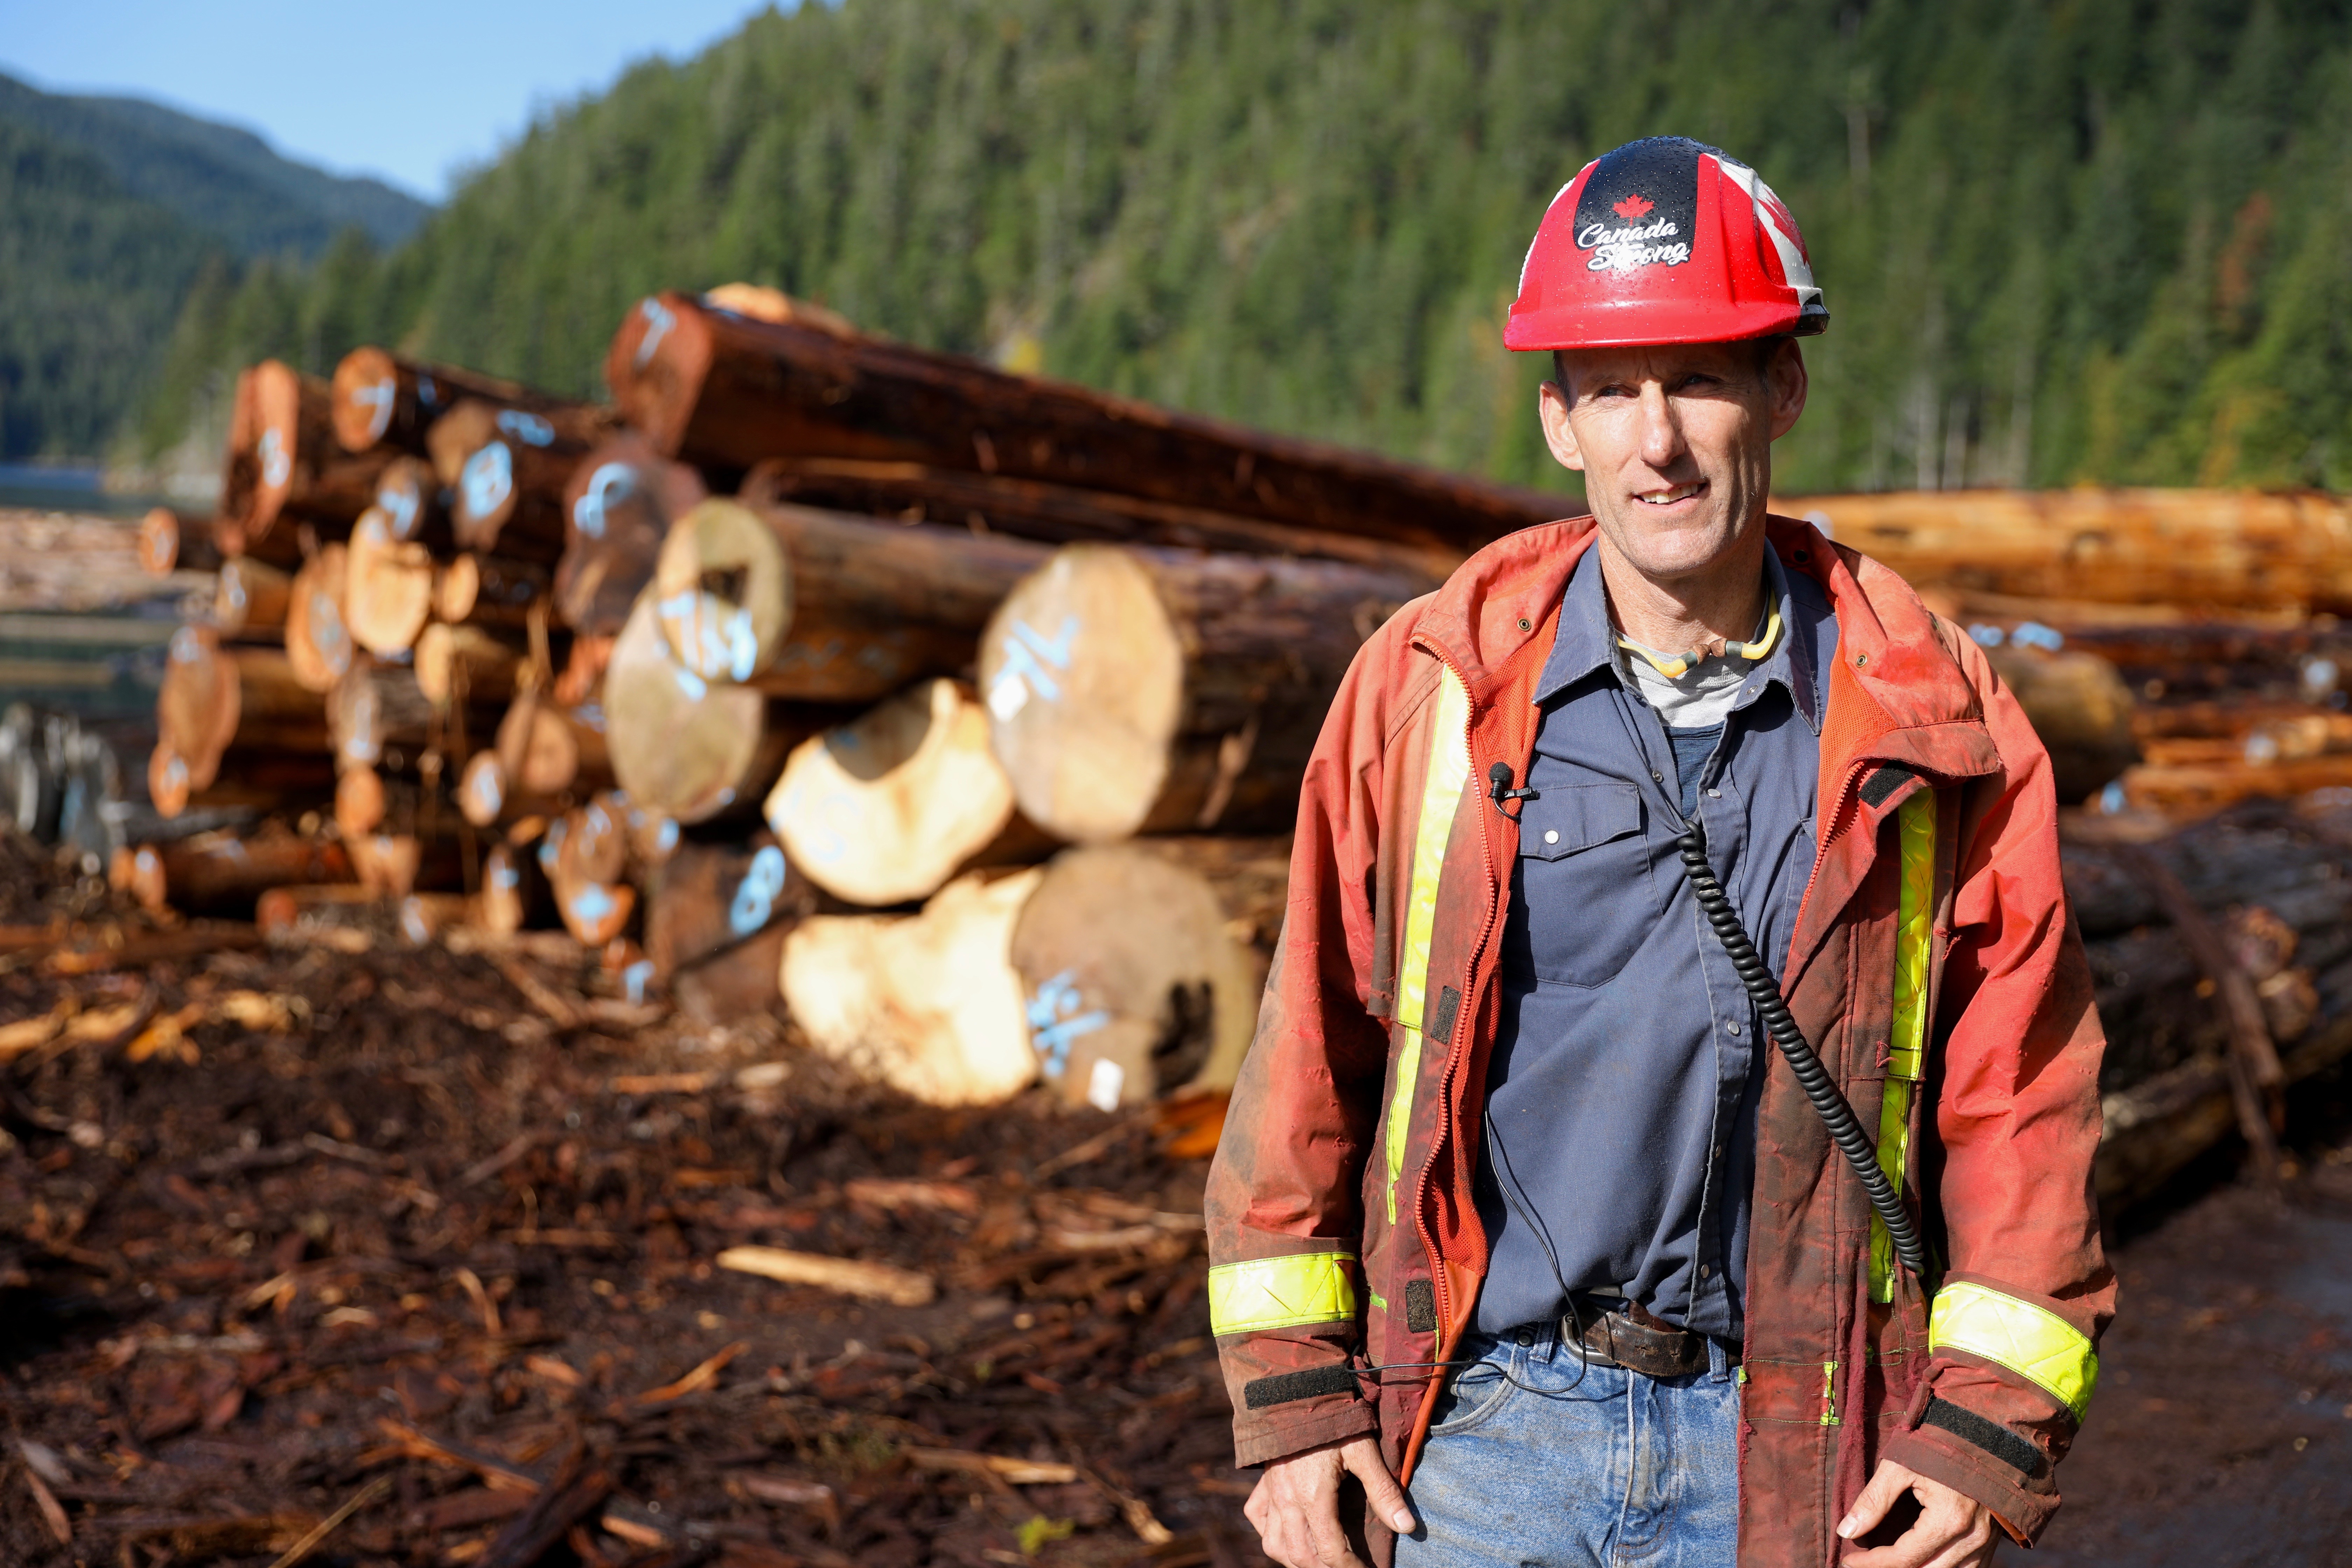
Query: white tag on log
{"type": "Point", "coordinates": [1103, 1084]}
{"type": "Point", "coordinates": [1007, 697]}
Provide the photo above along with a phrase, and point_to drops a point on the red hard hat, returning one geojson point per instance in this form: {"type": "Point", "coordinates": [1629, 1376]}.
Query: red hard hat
{"type": "Point", "coordinates": [1664, 240]}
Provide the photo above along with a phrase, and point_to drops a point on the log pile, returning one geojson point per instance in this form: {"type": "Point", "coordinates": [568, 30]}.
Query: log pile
{"type": "Point", "coordinates": [2178, 650]}
{"type": "Point", "coordinates": [960, 716]}
{"type": "Point", "coordinates": [817, 674]}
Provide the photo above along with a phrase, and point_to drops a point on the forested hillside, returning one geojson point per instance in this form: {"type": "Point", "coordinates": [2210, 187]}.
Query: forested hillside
{"type": "Point", "coordinates": [111, 209]}
{"type": "Point", "coordinates": [2062, 239]}
{"type": "Point", "coordinates": [91, 278]}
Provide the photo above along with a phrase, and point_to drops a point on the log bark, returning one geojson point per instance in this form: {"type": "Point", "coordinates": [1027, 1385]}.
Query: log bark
{"type": "Point", "coordinates": [618, 509]}
{"type": "Point", "coordinates": [1135, 986]}
{"type": "Point", "coordinates": [318, 642]}
{"type": "Point", "coordinates": [1062, 514]}
{"type": "Point", "coordinates": [823, 607]}
{"type": "Point", "coordinates": [284, 459]}
{"type": "Point", "coordinates": [891, 806]}
{"type": "Point", "coordinates": [2082, 710]}
{"type": "Point", "coordinates": [686, 748]}
{"type": "Point", "coordinates": [384, 399]}
{"type": "Point", "coordinates": [741, 982]}
{"type": "Point", "coordinates": [726, 391]}
{"type": "Point", "coordinates": [2205, 548]}
{"type": "Point", "coordinates": [1147, 691]}
{"type": "Point", "coordinates": [214, 696]}
{"type": "Point", "coordinates": [710, 897]}
{"type": "Point", "coordinates": [250, 599]}
{"type": "Point", "coordinates": [264, 780]}
{"type": "Point", "coordinates": [929, 1003]}
{"type": "Point", "coordinates": [379, 717]}
{"type": "Point", "coordinates": [2255, 1075]}
{"type": "Point", "coordinates": [169, 542]}
{"type": "Point", "coordinates": [387, 587]}
{"type": "Point", "coordinates": [223, 872]}
{"type": "Point", "coordinates": [507, 470]}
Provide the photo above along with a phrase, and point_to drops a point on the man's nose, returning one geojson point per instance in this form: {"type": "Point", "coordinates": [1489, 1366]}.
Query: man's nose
{"type": "Point", "coordinates": [1662, 433]}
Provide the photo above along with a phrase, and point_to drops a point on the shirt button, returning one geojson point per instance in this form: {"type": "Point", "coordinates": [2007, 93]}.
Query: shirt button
{"type": "Point", "coordinates": [1714, 795]}
{"type": "Point", "coordinates": [1525, 1336]}
{"type": "Point", "coordinates": [1551, 834]}
{"type": "Point", "coordinates": [1733, 1027]}
{"type": "Point", "coordinates": [1702, 1270]}
{"type": "Point", "coordinates": [1659, 777]}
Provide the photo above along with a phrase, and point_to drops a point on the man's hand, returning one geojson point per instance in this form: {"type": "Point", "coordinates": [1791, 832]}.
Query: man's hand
{"type": "Point", "coordinates": [1297, 1504]}
{"type": "Point", "coordinates": [1953, 1530]}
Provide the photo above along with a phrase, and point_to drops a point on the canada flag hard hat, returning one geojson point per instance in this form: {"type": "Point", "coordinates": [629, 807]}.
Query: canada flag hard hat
{"type": "Point", "coordinates": [1664, 240]}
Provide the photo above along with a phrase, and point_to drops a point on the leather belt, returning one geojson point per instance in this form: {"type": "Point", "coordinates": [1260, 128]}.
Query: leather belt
{"type": "Point", "coordinates": [1620, 1333]}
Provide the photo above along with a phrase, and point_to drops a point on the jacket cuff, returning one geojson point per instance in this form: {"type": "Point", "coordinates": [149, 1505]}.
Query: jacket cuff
{"type": "Point", "coordinates": [1260, 1441]}
{"type": "Point", "coordinates": [2023, 1501]}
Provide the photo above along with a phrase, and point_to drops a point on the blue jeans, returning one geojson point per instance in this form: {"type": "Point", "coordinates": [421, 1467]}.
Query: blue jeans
{"type": "Point", "coordinates": [1536, 1460]}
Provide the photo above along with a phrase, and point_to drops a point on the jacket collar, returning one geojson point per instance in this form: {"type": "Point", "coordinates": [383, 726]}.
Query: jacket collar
{"type": "Point", "coordinates": [1895, 693]}
{"type": "Point", "coordinates": [1588, 635]}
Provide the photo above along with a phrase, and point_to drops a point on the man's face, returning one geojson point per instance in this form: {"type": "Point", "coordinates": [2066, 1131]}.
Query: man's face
{"type": "Point", "coordinates": [1674, 444]}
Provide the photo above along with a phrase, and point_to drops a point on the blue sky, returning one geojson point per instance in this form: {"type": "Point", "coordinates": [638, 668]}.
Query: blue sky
{"type": "Point", "coordinates": [407, 91]}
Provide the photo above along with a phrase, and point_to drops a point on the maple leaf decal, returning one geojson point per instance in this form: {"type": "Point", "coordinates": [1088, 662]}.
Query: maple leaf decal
{"type": "Point", "coordinates": [1633, 208]}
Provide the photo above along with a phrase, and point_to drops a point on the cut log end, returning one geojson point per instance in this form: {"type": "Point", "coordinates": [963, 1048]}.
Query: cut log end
{"type": "Point", "coordinates": [887, 808]}
{"type": "Point", "coordinates": [366, 391]}
{"type": "Point", "coordinates": [196, 710]}
{"type": "Point", "coordinates": [1083, 669]}
{"type": "Point", "coordinates": [1135, 985]}
{"type": "Point", "coordinates": [318, 642]}
{"type": "Point", "coordinates": [927, 1003]}
{"type": "Point", "coordinates": [159, 541]}
{"type": "Point", "coordinates": [681, 746]}
{"type": "Point", "coordinates": [723, 586]}
{"type": "Point", "coordinates": [387, 588]}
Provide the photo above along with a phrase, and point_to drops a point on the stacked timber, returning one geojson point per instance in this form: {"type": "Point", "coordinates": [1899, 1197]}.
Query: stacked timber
{"type": "Point", "coordinates": [963, 715]}
{"type": "Point", "coordinates": [2178, 650]}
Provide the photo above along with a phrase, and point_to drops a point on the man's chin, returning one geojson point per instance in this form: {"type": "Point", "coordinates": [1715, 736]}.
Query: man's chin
{"type": "Point", "coordinates": [1664, 553]}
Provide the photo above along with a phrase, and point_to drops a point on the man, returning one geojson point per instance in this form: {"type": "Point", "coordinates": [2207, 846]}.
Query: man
{"type": "Point", "coordinates": [1525, 1237]}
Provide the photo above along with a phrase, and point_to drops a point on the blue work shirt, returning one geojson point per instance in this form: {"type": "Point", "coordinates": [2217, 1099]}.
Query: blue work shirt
{"type": "Point", "coordinates": [1622, 1089]}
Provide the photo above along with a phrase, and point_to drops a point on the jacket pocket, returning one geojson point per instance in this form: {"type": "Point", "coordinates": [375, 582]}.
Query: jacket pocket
{"type": "Point", "coordinates": [1586, 896]}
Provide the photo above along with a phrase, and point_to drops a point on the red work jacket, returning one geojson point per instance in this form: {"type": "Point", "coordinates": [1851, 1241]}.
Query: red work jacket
{"type": "Point", "coordinates": [1934, 967]}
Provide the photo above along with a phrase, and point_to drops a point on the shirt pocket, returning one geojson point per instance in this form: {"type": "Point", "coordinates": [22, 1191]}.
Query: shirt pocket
{"type": "Point", "coordinates": [1585, 886]}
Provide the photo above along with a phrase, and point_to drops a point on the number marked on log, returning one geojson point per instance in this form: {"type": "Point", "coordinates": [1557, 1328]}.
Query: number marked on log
{"type": "Point", "coordinates": [755, 898]}
{"type": "Point", "coordinates": [1027, 652]}
{"type": "Point", "coordinates": [277, 463]}
{"type": "Point", "coordinates": [658, 322]}
{"type": "Point", "coordinates": [1055, 1024]}
{"type": "Point", "coordinates": [487, 479]}
{"type": "Point", "coordinates": [613, 482]}
{"type": "Point", "coordinates": [528, 428]}
{"type": "Point", "coordinates": [380, 397]}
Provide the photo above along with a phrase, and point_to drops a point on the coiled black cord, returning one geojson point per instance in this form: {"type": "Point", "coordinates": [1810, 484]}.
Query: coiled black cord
{"type": "Point", "coordinates": [1844, 1128]}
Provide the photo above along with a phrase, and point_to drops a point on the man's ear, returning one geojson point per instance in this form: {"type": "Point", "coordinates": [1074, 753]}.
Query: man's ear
{"type": "Point", "coordinates": [1552, 404]}
{"type": "Point", "coordinates": [1786, 381]}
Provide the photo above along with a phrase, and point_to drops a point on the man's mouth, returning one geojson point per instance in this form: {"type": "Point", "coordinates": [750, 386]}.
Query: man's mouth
{"type": "Point", "coordinates": [1671, 494]}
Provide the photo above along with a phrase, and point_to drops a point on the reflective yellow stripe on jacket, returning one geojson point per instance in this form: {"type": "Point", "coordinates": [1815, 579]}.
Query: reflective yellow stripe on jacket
{"type": "Point", "coordinates": [2032, 1341]}
{"type": "Point", "coordinates": [1267, 1293]}
{"type": "Point", "coordinates": [1907, 1046]}
{"type": "Point", "coordinates": [1449, 767]}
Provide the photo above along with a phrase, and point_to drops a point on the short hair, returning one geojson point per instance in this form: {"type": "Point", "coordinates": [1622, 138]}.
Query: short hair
{"type": "Point", "coordinates": [1766, 348]}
